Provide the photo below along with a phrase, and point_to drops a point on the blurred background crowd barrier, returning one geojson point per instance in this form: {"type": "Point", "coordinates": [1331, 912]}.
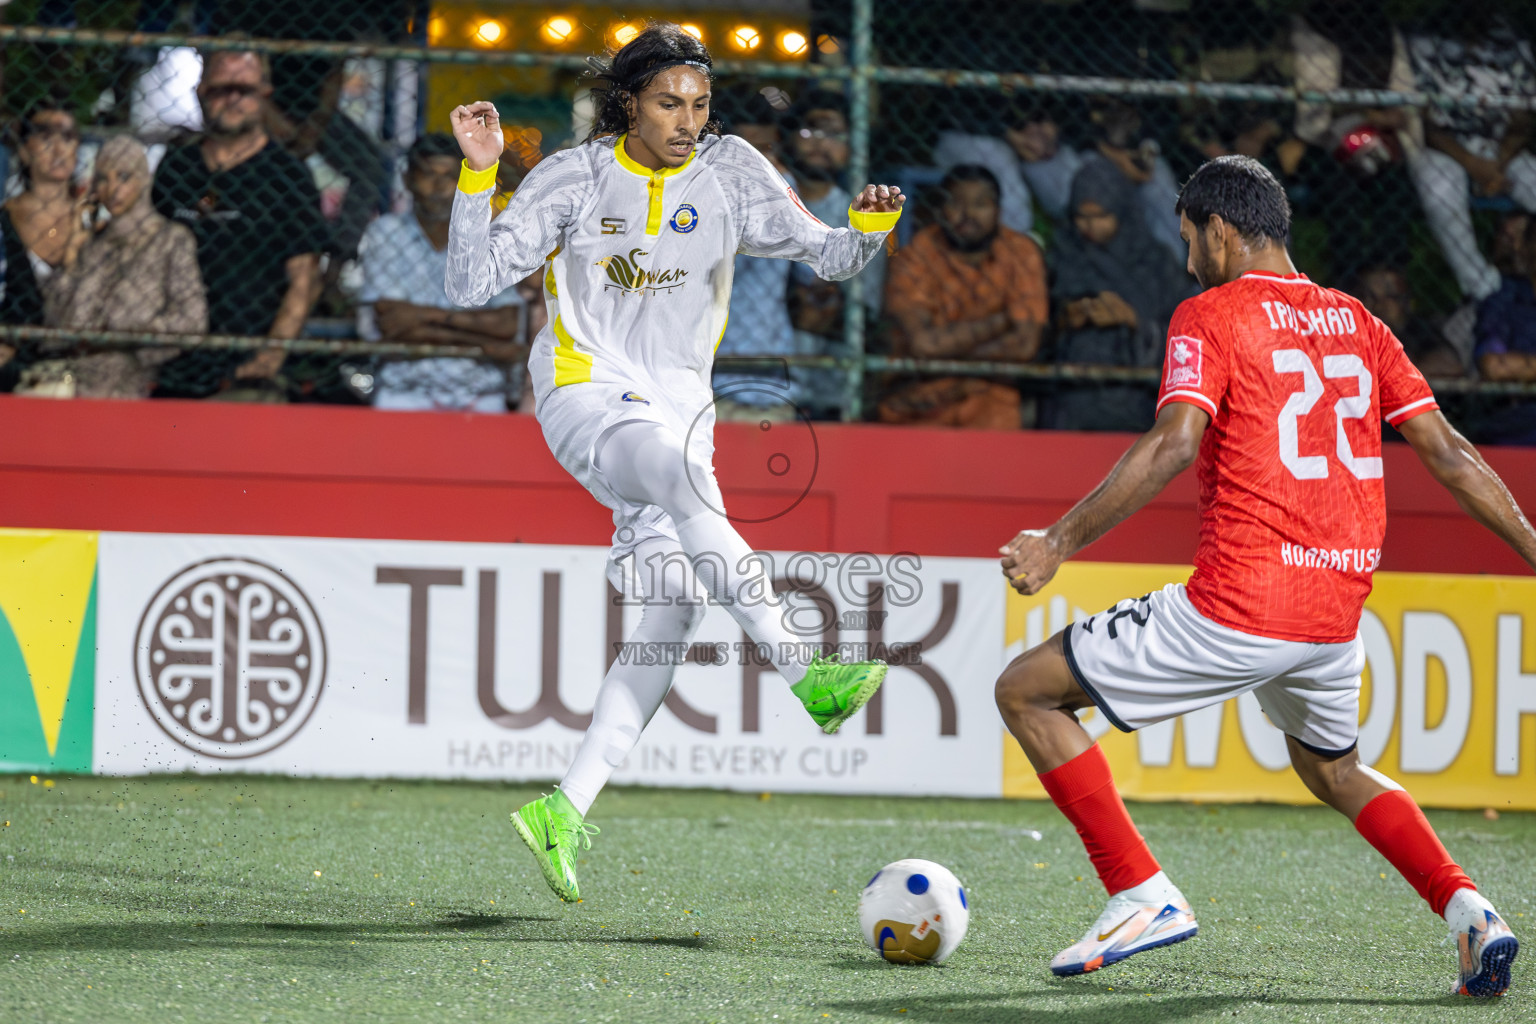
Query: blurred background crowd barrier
{"type": "Point", "coordinates": [242, 200]}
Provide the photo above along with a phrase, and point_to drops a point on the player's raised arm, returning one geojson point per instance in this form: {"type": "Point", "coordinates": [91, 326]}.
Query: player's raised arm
{"type": "Point", "coordinates": [1159, 455]}
{"type": "Point", "coordinates": [485, 256]}
{"type": "Point", "coordinates": [1452, 460]}
{"type": "Point", "coordinates": [775, 223]}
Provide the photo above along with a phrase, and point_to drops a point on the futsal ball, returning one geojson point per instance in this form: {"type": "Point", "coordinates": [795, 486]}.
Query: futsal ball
{"type": "Point", "coordinates": [913, 912]}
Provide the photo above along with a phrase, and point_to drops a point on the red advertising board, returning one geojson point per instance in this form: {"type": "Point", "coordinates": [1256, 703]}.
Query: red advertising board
{"type": "Point", "coordinates": [187, 467]}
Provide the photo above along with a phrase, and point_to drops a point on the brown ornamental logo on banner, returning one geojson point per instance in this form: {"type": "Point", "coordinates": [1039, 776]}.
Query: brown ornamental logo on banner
{"type": "Point", "coordinates": [230, 658]}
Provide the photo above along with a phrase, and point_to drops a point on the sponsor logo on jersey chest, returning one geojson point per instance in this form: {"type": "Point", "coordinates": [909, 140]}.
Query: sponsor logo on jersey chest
{"type": "Point", "coordinates": [627, 275]}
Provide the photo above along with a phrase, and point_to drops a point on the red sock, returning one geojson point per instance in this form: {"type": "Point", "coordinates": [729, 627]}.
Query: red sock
{"type": "Point", "coordinates": [1086, 794]}
{"type": "Point", "coordinates": [1393, 824]}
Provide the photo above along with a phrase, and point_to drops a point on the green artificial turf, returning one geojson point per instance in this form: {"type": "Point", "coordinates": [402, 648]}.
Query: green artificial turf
{"type": "Point", "coordinates": [257, 899]}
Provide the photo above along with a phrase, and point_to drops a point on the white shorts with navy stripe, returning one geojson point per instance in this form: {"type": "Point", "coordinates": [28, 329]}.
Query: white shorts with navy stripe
{"type": "Point", "coordinates": [1154, 658]}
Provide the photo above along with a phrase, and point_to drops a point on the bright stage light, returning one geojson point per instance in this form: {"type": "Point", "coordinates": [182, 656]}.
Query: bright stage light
{"type": "Point", "coordinates": [490, 31]}
{"type": "Point", "coordinates": [792, 43]}
{"type": "Point", "coordinates": [624, 31]}
{"type": "Point", "coordinates": [558, 29]}
{"type": "Point", "coordinates": [693, 30]}
{"type": "Point", "coordinates": [745, 37]}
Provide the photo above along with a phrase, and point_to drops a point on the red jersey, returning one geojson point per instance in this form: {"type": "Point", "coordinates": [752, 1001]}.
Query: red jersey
{"type": "Point", "coordinates": [1292, 503]}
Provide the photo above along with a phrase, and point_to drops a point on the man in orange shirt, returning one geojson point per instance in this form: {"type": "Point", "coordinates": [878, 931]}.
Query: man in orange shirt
{"type": "Point", "coordinates": [965, 288]}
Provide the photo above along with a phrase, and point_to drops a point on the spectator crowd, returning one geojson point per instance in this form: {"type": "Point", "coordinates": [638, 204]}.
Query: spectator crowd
{"type": "Point", "coordinates": [1040, 231]}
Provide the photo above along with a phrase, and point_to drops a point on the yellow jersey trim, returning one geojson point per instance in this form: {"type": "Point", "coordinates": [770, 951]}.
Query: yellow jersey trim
{"type": "Point", "coordinates": [655, 182]}
{"type": "Point", "coordinates": [871, 222]}
{"type": "Point", "coordinates": [722, 331]}
{"type": "Point", "coordinates": [630, 164]}
{"type": "Point", "coordinates": [549, 279]}
{"type": "Point", "coordinates": [655, 188]}
{"type": "Point", "coordinates": [472, 182]}
{"type": "Point", "coordinates": [571, 366]}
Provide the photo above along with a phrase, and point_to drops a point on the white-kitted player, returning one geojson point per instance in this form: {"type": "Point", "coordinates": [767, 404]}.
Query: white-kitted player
{"type": "Point", "coordinates": [638, 229]}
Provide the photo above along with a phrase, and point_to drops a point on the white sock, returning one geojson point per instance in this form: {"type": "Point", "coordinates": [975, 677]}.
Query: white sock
{"type": "Point", "coordinates": [1157, 889]}
{"type": "Point", "coordinates": [629, 696]}
{"type": "Point", "coordinates": [1465, 909]}
{"type": "Point", "coordinates": [714, 545]}
{"type": "Point", "coordinates": [646, 463]}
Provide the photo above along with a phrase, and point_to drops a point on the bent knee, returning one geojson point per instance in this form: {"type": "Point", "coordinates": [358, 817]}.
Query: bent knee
{"type": "Point", "coordinates": [1022, 687]}
{"type": "Point", "coordinates": [691, 616]}
{"type": "Point", "coordinates": [1324, 777]}
{"type": "Point", "coordinates": [1014, 696]}
{"type": "Point", "coordinates": [672, 622]}
{"type": "Point", "coordinates": [1038, 680]}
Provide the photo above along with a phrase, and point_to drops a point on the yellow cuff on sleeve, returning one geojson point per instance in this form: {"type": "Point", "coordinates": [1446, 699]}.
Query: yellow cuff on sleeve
{"type": "Point", "coordinates": [476, 181]}
{"type": "Point", "coordinates": [870, 222]}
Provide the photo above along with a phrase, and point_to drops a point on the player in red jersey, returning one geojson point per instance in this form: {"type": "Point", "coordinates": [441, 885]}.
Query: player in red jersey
{"type": "Point", "coordinates": [1273, 386]}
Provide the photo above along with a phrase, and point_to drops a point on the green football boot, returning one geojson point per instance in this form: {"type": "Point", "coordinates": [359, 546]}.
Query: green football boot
{"type": "Point", "coordinates": [554, 830]}
{"type": "Point", "coordinates": [832, 692]}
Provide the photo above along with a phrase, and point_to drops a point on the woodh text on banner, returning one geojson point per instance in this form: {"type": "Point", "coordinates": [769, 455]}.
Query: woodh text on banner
{"type": "Point", "coordinates": [1448, 705]}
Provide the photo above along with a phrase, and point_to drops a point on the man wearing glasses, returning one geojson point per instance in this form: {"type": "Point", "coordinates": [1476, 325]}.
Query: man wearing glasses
{"type": "Point", "coordinates": [819, 151]}
{"type": "Point", "coordinates": [255, 213]}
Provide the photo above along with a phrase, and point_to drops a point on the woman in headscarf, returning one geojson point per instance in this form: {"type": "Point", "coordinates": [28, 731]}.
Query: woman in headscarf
{"type": "Point", "coordinates": [1115, 290]}
{"type": "Point", "coordinates": [139, 273]}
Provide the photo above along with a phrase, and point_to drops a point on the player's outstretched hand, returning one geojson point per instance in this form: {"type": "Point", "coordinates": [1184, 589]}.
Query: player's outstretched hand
{"type": "Point", "coordinates": [478, 129]}
{"type": "Point", "coordinates": [879, 199]}
{"type": "Point", "coordinates": [1029, 561]}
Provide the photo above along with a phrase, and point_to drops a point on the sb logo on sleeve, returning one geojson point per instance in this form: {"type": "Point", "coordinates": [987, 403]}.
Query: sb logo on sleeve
{"type": "Point", "coordinates": [1185, 356]}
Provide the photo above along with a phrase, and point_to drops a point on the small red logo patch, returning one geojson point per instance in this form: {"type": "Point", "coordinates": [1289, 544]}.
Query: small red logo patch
{"type": "Point", "coordinates": [1185, 358]}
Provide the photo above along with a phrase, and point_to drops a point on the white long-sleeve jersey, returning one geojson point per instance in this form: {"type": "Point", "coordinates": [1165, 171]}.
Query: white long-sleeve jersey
{"type": "Point", "coordinates": [639, 262]}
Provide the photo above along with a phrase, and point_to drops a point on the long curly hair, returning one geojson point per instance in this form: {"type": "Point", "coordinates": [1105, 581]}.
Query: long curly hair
{"type": "Point", "coordinates": [631, 68]}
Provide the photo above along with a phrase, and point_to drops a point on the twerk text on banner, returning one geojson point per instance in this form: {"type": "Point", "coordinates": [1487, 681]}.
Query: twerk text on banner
{"type": "Point", "coordinates": [377, 658]}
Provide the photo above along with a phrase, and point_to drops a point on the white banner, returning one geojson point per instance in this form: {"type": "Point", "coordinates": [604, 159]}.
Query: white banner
{"type": "Point", "coordinates": [414, 659]}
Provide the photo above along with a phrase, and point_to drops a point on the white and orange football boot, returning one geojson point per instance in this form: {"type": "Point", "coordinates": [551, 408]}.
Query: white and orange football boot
{"type": "Point", "coordinates": [1485, 944]}
{"type": "Point", "coordinates": [1150, 915]}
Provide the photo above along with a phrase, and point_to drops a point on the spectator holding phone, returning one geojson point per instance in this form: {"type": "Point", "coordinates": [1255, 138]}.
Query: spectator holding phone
{"type": "Point", "coordinates": [138, 273]}
{"type": "Point", "coordinates": [36, 226]}
{"type": "Point", "coordinates": [1123, 143]}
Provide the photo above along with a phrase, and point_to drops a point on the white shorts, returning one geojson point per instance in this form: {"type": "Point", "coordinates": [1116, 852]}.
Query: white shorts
{"type": "Point", "coordinates": [1155, 657]}
{"type": "Point", "coordinates": [575, 417]}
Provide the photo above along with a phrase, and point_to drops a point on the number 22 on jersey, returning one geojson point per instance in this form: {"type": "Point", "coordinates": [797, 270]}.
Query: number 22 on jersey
{"type": "Point", "coordinates": [1300, 403]}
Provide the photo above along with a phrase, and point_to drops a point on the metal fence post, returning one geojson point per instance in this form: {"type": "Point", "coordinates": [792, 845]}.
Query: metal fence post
{"type": "Point", "coordinates": [858, 176]}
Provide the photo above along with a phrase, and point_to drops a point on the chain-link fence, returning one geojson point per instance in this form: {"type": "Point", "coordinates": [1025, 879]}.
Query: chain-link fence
{"type": "Point", "coordinates": [238, 172]}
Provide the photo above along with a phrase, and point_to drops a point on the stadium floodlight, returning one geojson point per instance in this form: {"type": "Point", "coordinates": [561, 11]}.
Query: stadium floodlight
{"type": "Point", "coordinates": [827, 44]}
{"type": "Point", "coordinates": [693, 30]}
{"type": "Point", "coordinates": [624, 31]}
{"type": "Point", "coordinates": [793, 43]}
{"type": "Point", "coordinates": [436, 27]}
{"type": "Point", "coordinates": [746, 37]}
{"type": "Point", "coordinates": [490, 31]}
{"type": "Point", "coordinates": [558, 29]}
